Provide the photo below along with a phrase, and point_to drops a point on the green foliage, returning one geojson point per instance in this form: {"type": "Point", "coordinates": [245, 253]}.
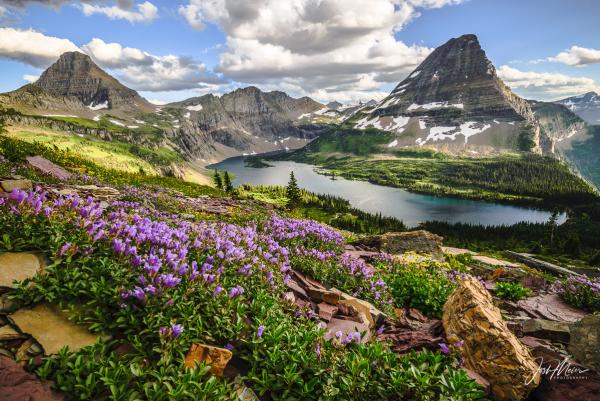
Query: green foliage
{"type": "Point", "coordinates": [16, 150]}
{"type": "Point", "coordinates": [351, 141]}
{"type": "Point", "coordinates": [525, 140]}
{"type": "Point", "coordinates": [424, 286]}
{"type": "Point", "coordinates": [511, 291]}
{"type": "Point", "coordinates": [580, 292]}
{"type": "Point", "coordinates": [217, 179]}
{"type": "Point", "coordinates": [292, 191]}
{"type": "Point", "coordinates": [227, 183]}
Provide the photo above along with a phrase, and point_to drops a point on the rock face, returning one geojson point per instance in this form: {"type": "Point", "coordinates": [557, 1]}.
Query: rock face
{"type": "Point", "coordinates": [547, 329]}
{"type": "Point", "coordinates": [18, 385]}
{"type": "Point", "coordinates": [419, 241]}
{"type": "Point", "coordinates": [489, 349]}
{"type": "Point", "coordinates": [74, 74]}
{"type": "Point", "coordinates": [585, 341]}
{"type": "Point", "coordinates": [452, 100]}
{"type": "Point", "coordinates": [244, 120]}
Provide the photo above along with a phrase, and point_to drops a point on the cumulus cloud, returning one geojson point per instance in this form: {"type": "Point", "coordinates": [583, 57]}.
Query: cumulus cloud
{"type": "Point", "coordinates": [577, 56]}
{"type": "Point", "coordinates": [31, 47]}
{"type": "Point", "coordinates": [146, 12]}
{"type": "Point", "coordinates": [545, 85]}
{"type": "Point", "coordinates": [134, 67]}
{"type": "Point", "coordinates": [327, 46]}
{"type": "Point", "coordinates": [30, 78]}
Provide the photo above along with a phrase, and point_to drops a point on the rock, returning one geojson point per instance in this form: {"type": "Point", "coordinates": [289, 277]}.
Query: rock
{"type": "Point", "coordinates": [319, 295]}
{"type": "Point", "coordinates": [294, 286]}
{"type": "Point", "coordinates": [448, 250]}
{"type": "Point", "coordinates": [18, 266]}
{"type": "Point", "coordinates": [47, 167]}
{"type": "Point", "coordinates": [374, 315]}
{"type": "Point", "coordinates": [307, 282]}
{"type": "Point", "coordinates": [18, 385]}
{"type": "Point", "coordinates": [493, 261]}
{"type": "Point", "coordinates": [214, 356]}
{"type": "Point", "coordinates": [414, 336]}
{"type": "Point", "coordinates": [51, 329]}
{"type": "Point", "coordinates": [550, 307]}
{"type": "Point", "coordinates": [326, 311]}
{"type": "Point", "coordinates": [245, 393]}
{"type": "Point", "coordinates": [7, 333]}
{"type": "Point", "coordinates": [289, 297]}
{"type": "Point", "coordinates": [347, 327]}
{"type": "Point", "coordinates": [7, 304]}
{"type": "Point", "coordinates": [562, 378]}
{"type": "Point", "coordinates": [585, 341]}
{"type": "Point", "coordinates": [547, 329]}
{"type": "Point", "coordinates": [9, 185]}
{"type": "Point", "coordinates": [479, 380]}
{"type": "Point", "coordinates": [530, 261]}
{"type": "Point", "coordinates": [419, 241]}
{"type": "Point", "coordinates": [489, 349]}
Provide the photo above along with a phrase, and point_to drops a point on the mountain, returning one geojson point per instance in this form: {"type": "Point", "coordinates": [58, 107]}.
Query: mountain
{"type": "Point", "coordinates": [75, 74]}
{"type": "Point", "coordinates": [454, 100]}
{"type": "Point", "coordinates": [246, 120]}
{"type": "Point", "coordinates": [586, 106]}
{"type": "Point", "coordinates": [335, 105]}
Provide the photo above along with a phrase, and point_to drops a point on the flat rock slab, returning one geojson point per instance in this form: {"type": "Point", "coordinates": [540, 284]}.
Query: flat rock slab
{"type": "Point", "coordinates": [7, 333]}
{"type": "Point", "coordinates": [347, 327]}
{"type": "Point", "coordinates": [217, 357]}
{"type": "Point", "coordinates": [493, 261]}
{"type": "Point", "coordinates": [47, 167]}
{"type": "Point", "coordinates": [52, 329]}
{"type": "Point", "coordinates": [550, 307]}
{"type": "Point", "coordinates": [9, 185]}
{"type": "Point", "coordinates": [18, 266]}
{"type": "Point", "coordinates": [547, 329]}
{"type": "Point", "coordinates": [18, 385]}
{"type": "Point", "coordinates": [448, 250]}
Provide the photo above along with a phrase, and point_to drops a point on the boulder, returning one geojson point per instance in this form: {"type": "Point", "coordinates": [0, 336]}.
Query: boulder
{"type": "Point", "coordinates": [9, 185]}
{"type": "Point", "coordinates": [49, 168]}
{"type": "Point", "coordinates": [214, 356]}
{"type": "Point", "coordinates": [18, 266]}
{"type": "Point", "coordinates": [419, 241]}
{"type": "Point", "coordinates": [52, 329]}
{"type": "Point", "coordinates": [414, 336]}
{"type": "Point", "coordinates": [547, 329]}
{"type": "Point", "coordinates": [320, 295]}
{"type": "Point", "coordinates": [490, 348]}
{"type": "Point", "coordinates": [326, 311]}
{"type": "Point", "coordinates": [18, 385]}
{"type": "Point", "coordinates": [585, 341]}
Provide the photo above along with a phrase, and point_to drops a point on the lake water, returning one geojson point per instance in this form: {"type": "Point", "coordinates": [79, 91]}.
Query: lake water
{"type": "Point", "coordinates": [411, 208]}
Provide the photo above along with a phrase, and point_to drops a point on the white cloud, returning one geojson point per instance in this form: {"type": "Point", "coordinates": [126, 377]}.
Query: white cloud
{"type": "Point", "coordinates": [577, 56]}
{"type": "Point", "coordinates": [146, 12]}
{"type": "Point", "coordinates": [2, 11]}
{"type": "Point", "coordinates": [157, 102]}
{"type": "Point", "coordinates": [328, 46]}
{"type": "Point", "coordinates": [30, 78]}
{"type": "Point", "coordinates": [31, 47]}
{"type": "Point", "coordinates": [545, 85]}
{"type": "Point", "coordinates": [134, 67]}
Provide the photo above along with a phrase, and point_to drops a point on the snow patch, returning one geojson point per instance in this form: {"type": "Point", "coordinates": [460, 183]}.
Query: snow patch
{"type": "Point", "coordinates": [434, 105]}
{"type": "Point", "coordinates": [117, 123]}
{"type": "Point", "coordinates": [59, 115]}
{"type": "Point", "coordinates": [393, 143]}
{"type": "Point", "coordinates": [422, 124]}
{"type": "Point", "coordinates": [133, 126]}
{"type": "Point", "coordinates": [197, 107]}
{"type": "Point", "coordinates": [96, 118]}
{"type": "Point", "coordinates": [99, 106]}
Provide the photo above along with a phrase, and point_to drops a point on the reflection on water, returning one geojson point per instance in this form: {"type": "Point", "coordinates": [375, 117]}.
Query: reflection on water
{"type": "Point", "coordinates": [409, 207]}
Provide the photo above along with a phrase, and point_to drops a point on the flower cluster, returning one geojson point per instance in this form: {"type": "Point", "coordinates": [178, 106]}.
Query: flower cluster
{"type": "Point", "coordinates": [579, 291]}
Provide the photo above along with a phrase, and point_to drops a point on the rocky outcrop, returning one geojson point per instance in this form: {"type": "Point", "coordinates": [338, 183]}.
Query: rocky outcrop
{"type": "Point", "coordinates": [490, 348]}
{"type": "Point", "coordinates": [419, 241]}
{"type": "Point", "coordinates": [585, 341]}
{"type": "Point", "coordinates": [74, 74]}
{"type": "Point", "coordinates": [18, 385]}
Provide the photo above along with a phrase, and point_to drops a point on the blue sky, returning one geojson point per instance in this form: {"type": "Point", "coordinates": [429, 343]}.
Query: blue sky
{"type": "Point", "coordinates": [329, 49]}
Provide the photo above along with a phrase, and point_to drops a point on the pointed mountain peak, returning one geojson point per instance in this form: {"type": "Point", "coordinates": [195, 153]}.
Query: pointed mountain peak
{"type": "Point", "coordinates": [76, 75]}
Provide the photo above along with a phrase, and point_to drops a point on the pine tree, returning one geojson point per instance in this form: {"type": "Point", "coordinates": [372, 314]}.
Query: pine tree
{"type": "Point", "coordinates": [292, 191]}
{"type": "Point", "coordinates": [227, 182]}
{"type": "Point", "coordinates": [217, 180]}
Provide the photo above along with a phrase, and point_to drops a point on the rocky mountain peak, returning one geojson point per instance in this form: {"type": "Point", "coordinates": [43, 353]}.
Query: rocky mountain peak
{"type": "Point", "coordinates": [75, 74]}
{"type": "Point", "coordinates": [586, 106]}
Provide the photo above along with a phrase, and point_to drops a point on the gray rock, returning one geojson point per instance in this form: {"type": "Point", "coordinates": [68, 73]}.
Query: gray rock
{"type": "Point", "coordinates": [585, 341]}
{"type": "Point", "coordinates": [547, 329]}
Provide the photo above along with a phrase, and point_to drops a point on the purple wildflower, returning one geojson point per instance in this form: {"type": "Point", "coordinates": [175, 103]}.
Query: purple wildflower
{"type": "Point", "coordinates": [260, 330]}
{"type": "Point", "coordinates": [444, 348]}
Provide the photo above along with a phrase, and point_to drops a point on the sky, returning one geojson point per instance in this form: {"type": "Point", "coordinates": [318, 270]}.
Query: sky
{"type": "Point", "coordinates": [345, 50]}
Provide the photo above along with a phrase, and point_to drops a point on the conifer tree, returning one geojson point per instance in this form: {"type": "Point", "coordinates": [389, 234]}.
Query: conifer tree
{"type": "Point", "coordinates": [292, 191]}
{"type": "Point", "coordinates": [217, 180]}
{"type": "Point", "coordinates": [227, 182]}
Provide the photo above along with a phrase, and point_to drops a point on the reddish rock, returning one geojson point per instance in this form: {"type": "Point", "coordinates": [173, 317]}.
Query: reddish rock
{"type": "Point", "coordinates": [427, 335]}
{"type": "Point", "coordinates": [18, 385]}
{"type": "Point", "coordinates": [47, 167]}
{"type": "Point", "coordinates": [479, 379]}
{"type": "Point", "coordinates": [326, 311]}
{"type": "Point", "coordinates": [550, 307]}
{"type": "Point", "coordinates": [307, 282]}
